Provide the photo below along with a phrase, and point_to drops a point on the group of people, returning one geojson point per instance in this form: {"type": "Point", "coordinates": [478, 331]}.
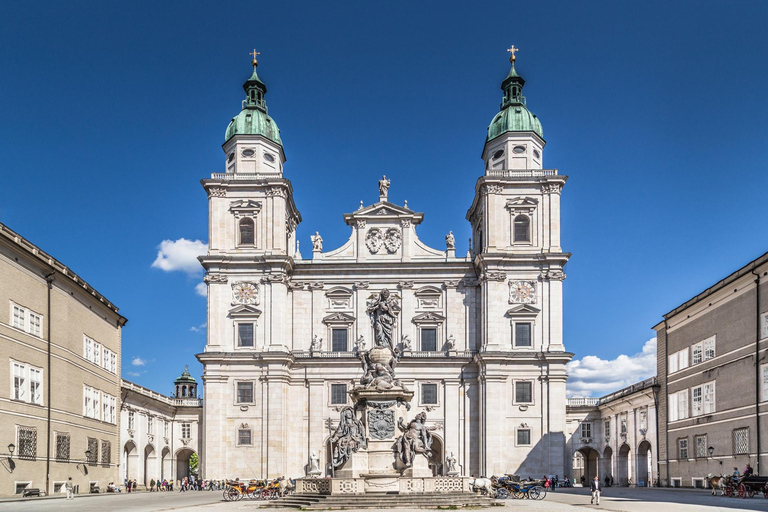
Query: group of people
{"type": "Point", "coordinates": [748, 471]}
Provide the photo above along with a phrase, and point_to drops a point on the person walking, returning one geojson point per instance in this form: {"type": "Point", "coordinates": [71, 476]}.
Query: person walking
{"type": "Point", "coordinates": [152, 485]}
{"type": "Point", "coordinates": [594, 486]}
{"type": "Point", "coordinates": [70, 488]}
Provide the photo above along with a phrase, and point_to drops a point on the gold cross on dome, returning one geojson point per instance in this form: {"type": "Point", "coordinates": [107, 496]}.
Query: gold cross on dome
{"type": "Point", "coordinates": [254, 53]}
{"type": "Point", "coordinates": [513, 50]}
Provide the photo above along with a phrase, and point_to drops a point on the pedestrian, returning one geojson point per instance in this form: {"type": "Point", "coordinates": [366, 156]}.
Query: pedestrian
{"type": "Point", "coordinates": [583, 480]}
{"type": "Point", "coordinates": [70, 488]}
{"type": "Point", "coordinates": [128, 485]}
{"type": "Point", "coordinates": [135, 485]}
{"type": "Point", "coordinates": [151, 485]}
{"type": "Point", "coordinates": [595, 488]}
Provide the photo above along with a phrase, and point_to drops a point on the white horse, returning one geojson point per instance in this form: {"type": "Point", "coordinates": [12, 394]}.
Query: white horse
{"type": "Point", "coordinates": [483, 485]}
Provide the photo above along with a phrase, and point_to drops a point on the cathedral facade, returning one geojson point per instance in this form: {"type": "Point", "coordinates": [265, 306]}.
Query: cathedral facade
{"type": "Point", "coordinates": [480, 334]}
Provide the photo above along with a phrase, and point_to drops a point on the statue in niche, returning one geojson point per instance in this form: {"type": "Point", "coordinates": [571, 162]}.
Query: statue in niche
{"type": "Point", "coordinates": [383, 186]}
{"type": "Point", "coordinates": [317, 241]}
{"type": "Point", "coordinates": [360, 344]}
{"type": "Point", "coordinates": [450, 241]}
{"type": "Point", "coordinates": [383, 310]}
{"type": "Point", "coordinates": [416, 439]}
{"type": "Point", "coordinates": [348, 437]}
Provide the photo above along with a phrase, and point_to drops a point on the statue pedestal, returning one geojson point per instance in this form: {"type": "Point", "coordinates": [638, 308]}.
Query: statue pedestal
{"type": "Point", "coordinates": [419, 469]}
{"type": "Point", "coordinates": [355, 466]}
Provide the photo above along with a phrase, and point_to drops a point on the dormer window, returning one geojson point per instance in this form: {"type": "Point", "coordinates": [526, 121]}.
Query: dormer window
{"type": "Point", "coordinates": [246, 231]}
{"type": "Point", "coordinates": [522, 229]}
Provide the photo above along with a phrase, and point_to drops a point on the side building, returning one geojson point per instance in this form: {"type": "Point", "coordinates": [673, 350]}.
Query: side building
{"type": "Point", "coordinates": [59, 374]}
{"type": "Point", "coordinates": [713, 374]}
{"type": "Point", "coordinates": [160, 435]}
{"type": "Point", "coordinates": [615, 436]}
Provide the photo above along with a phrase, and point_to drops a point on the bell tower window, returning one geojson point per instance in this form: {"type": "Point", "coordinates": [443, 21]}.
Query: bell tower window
{"type": "Point", "coordinates": [246, 231]}
{"type": "Point", "coordinates": [522, 229]}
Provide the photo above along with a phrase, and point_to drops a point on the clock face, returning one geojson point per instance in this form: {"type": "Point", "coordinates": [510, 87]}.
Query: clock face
{"type": "Point", "coordinates": [244, 293]}
{"type": "Point", "coordinates": [523, 291]}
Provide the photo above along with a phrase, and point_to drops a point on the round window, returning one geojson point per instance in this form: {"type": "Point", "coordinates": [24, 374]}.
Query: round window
{"type": "Point", "coordinates": [231, 157]}
{"type": "Point", "coordinates": [248, 152]}
{"type": "Point", "coordinates": [498, 154]}
{"type": "Point", "coordinates": [519, 149]}
{"type": "Point", "coordinates": [269, 157]}
{"type": "Point", "coordinates": [536, 153]}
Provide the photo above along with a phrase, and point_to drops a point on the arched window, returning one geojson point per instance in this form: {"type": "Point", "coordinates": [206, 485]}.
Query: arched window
{"type": "Point", "coordinates": [246, 231]}
{"type": "Point", "coordinates": [522, 229]}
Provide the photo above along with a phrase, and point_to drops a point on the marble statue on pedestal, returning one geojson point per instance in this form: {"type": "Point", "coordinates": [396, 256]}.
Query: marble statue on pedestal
{"type": "Point", "coordinates": [416, 439]}
{"type": "Point", "coordinates": [348, 437]}
{"type": "Point", "coordinates": [314, 465]}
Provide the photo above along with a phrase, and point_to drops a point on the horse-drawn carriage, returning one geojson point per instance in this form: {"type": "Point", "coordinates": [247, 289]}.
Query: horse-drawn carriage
{"type": "Point", "coordinates": [747, 486]}
{"type": "Point", "coordinates": [236, 490]}
{"type": "Point", "coordinates": [511, 485]}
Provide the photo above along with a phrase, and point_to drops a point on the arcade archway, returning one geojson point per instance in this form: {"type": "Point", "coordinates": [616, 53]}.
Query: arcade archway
{"type": "Point", "coordinates": [585, 464]}
{"type": "Point", "coordinates": [644, 465]}
{"type": "Point", "coordinates": [607, 466]}
{"type": "Point", "coordinates": [150, 464]}
{"type": "Point", "coordinates": [182, 463]}
{"type": "Point", "coordinates": [130, 461]}
{"type": "Point", "coordinates": [436, 460]}
{"type": "Point", "coordinates": [624, 473]}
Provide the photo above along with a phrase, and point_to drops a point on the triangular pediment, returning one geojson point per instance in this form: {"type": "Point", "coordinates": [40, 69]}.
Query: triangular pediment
{"type": "Point", "coordinates": [523, 201]}
{"type": "Point", "coordinates": [523, 309]}
{"type": "Point", "coordinates": [344, 318]}
{"type": "Point", "coordinates": [429, 316]}
{"type": "Point", "coordinates": [244, 310]}
{"type": "Point", "coordinates": [384, 210]}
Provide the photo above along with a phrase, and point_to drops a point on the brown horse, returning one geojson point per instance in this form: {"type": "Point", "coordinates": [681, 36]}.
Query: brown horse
{"type": "Point", "coordinates": [718, 482]}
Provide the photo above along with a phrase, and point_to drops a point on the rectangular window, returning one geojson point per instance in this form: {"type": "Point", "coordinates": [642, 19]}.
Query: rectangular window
{"type": "Point", "coordinates": [339, 340]}
{"type": "Point", "coordinates": [243, 436]}
{"type": "Point", "coordinates": [741, 441]}
{"type": "Point", "coordinates": [165, 428]}
{"type": "Point", "coordinates": [764, 319]}
{"type": "Point", "coordinates": [429, 340]}
{"type": "Point", "coordinates": [93, 450]}
{"type": "Point", "coordinates": [96, 404]}
{"type": "Point", "coordinates": [19, 315]}
{"type": "Point", "coordinates": [36, 386]}
{"type": "Point", "coordinates": [701, 446]}
{"type": "Point", "coordinates": [186, 430]}
{"type": "Point", "coordinates": [523, 392]}
{"type": "Point", "coordinates": [106, 452]}
{"type": "Point", "coordinates": [586, 430]}
{"type": "Point", "coordinates": [245, 335]}
{"type": "Point", "coordinates": [672, 406]}
{"type": "Point", "coordinates": [643, 419]}
{"type": "Point", "coordinates": [682, 448]}
{"type": "Point", "coordinates": [429, 394]}
{"type": "Point", "coordinates": [709, 348]}
{"type": "Point", "coordinates": [96, 353]}
{"type": "Point", "coordinates": [35, 324]}
{"type": "Point", "coordinates": [523, 334]}
{"type": "Point", "coordinates": [245, 392]}
{"type": "Point", "coordinates": [672, 366]}
{"type": "Point", "coordinates": [682, 405]}
{"type": "Point", "coordinates": [624, 424]}
{"type": "Point", "coordinates": [87, 348]}
{"type": "Point", "coordinates": [338, 394]}
{"type": "Point", "coordinates": [607, 429]}
{"type": "Point", "coordinates": [113, 410]}
{"type": "Point", "coordinates": [703, 399]}
{"type": "Point", "coordinates": [19, 382]}
{"type": "Point", "coordinates": [697, 356]}
{"type": "Point", "coordinates": [91, 403]}
{"type": "Point", "coordinates": [113, 363]}
{"type": "Point", "coordinates": [523, 436]}
{"type": "Point", "coordinates": [683, 356]}
{"type": "Point", "coordinates": [27, 442]}
{"type": "Point", "coordinates": [150, 425]}
{"type": "Point", "coordinates": [62, 446]}
{"type": "Point", "coordinates": [764, 378]}
{"type": "Point", "coordinates": [131, 420]}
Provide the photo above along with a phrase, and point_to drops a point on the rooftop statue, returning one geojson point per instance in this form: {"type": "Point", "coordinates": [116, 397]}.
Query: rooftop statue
{"type": "Point", "coordinates": [383, 187]}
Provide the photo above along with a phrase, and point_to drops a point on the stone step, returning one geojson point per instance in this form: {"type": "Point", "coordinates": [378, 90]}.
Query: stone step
{"type": "Point", "coordinates": [382, 500]}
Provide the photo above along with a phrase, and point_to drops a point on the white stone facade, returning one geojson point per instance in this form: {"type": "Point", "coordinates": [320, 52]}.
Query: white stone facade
{"type": "Point", "coordinates": [487, 360]}
{"type": "Point", "coordinates": [615, 436]}
{"type": "Point", "coordinates": [158, 434]}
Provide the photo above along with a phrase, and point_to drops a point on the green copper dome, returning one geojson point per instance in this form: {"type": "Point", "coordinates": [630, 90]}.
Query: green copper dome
{"type": "Point", "coordinates": [253, 119]}
{"type": "Point", "coordinates": [185, 377]}
{"type": "Point", "coordinates": [514, 115]}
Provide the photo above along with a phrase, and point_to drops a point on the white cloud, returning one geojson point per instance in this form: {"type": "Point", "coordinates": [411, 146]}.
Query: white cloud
{"type": "Point", "coordinates": [180, 255]}
{"type": "Point", "coordinates": [134, 374]}
{"type": "Point", "coordinates": [137, 361]}
{"type": "Point", "coordinates": [199, 328]}
{"type": "Point", "coordinates": [201, 289]}
{"type": "Point", "coordinates": [592, 376]}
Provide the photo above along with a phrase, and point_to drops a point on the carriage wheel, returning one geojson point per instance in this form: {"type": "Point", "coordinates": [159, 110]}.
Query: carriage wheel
{"type": "Point", "coordinates": [226, 494]}
{"type": "Point", "coordinates": [742, 491]}
{"type": "Point", "coordinates": [533, 493]}
{"type": "Point", "coordinates": [542, 493]}
{"type": "Point", "coordinates": [502, 494]}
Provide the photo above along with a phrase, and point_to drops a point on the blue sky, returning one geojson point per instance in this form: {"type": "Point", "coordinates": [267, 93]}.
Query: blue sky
{"type": "Point", "coordinates": [111, 113]}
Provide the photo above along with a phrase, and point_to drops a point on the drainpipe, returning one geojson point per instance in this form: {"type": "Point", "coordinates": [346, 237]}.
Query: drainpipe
{"type": "Point", "coordinates": [666, 418]}
{"type": "Point", "coordinates": [757, 368]}
{"type": "Point", "coordinates": [49, 282]}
